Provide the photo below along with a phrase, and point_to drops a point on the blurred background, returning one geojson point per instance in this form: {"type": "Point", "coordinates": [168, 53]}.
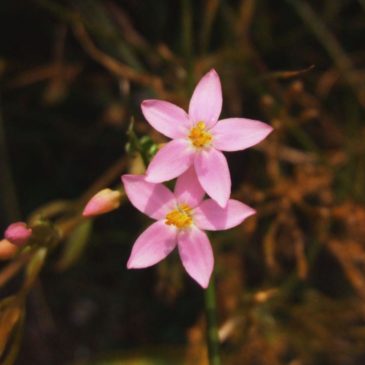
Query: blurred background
{"type": "Point", "coordinates": [290, 281]}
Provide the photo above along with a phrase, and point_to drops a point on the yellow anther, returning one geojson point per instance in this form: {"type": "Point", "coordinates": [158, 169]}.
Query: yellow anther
{"type": "Point", "coordinates": [199, 136]}
{"type": "Point", "coordinates": [180, 217]}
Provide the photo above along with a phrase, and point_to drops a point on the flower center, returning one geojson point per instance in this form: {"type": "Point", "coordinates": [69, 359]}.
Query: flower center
{"type": "Point", "coordinates": [199, 135]}
{"type": "Point", "coordinates": [179, 217]}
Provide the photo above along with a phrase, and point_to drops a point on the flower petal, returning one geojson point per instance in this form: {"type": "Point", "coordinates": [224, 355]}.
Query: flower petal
{"type": "Point", "coordinates": [165, 117]}
{"type": "Point", "coordinates": [188, 189]}
{"type": "Point", "coordinates": [170, 161]}
{"type": "Point", "coordinates": [153, 245]}
{"type": "Point", "coordinates": [155, 200]}
{"type": "Point", "coordinates": [196, 255]}
{"type": "Point", "coordinates": [235, 134]}
{"type": "Point", "coordinates": [213, 174]}
{"type": "Point", "coordinates": [210, 216]}
{"type": "Point", "coordinates": [206, 102]}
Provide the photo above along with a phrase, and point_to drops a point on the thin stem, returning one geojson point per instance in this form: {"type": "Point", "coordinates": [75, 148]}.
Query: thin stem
{"type": "Point", "coordinates": [331, 44]}
{"type": "Point", "coordinates": [136, 144]}
{"type": "Point", "coordinates": [210, 12]}
{"type": "Point", "coordinates": [212, 327]}
{"type": "Point", "coordinates": [7, 186]}
{"type": "Point", "coordinates": [187, 40]}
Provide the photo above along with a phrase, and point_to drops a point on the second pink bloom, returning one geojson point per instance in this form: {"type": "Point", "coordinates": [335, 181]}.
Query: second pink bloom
{"type": "Point", "coordinates": [181, 218]}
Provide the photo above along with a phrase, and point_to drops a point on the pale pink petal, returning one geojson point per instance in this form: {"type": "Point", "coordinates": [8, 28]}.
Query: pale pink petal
{"type": "Point", "coordinates": [102, 202]}
{"type": "Point", "coordinates": [167, 118]}
{"type": "Point", "coordinates": [188, 189]}
{"type": "Point", "coordinates": [206, 102]}
{"type": "Point", "coordinates": [170, 161]}
{"type": "Point", "coordinates": [210, 216]}
{"type": "Point", "coordinates": [235, 134]}
{"type": "Point", "coordinates": [153, 245]}
{"type": "Point", "coordinates": [155, 200]}
{"type": "Point", "coordinates": [196, 255]}
{"type": "Point", "coordinates": [213, 174]}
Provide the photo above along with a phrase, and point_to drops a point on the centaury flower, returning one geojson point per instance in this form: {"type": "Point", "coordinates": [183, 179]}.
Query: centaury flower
{"type": "Point", "coordinates": [198, 138]}
{"type": "Point", "coordinates": [181, 218]}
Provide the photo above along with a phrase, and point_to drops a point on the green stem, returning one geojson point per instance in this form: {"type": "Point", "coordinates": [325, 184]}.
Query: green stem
{"type": "Point", "coordinates": [342, 61]}
{"type": "Point", "coordinates": [187, 40]}
{"type": "Point", "coordinates": [212, 327]}
{"type": "Point", "coordinates": [133, 139]}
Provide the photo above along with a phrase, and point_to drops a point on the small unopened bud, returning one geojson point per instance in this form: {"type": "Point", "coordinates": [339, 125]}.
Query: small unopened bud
{"type": "Point", "coordinates": [7, 250]}
{"type": "Point", "coordinates": [18, 233]}
{"type": "Point", "coordinates": [104, 201]}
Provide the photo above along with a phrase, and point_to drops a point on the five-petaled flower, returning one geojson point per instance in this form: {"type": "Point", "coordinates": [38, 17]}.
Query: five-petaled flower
{"type": "Point", "coordinates": [181, 217]}
{"type": "Point", "coordinates": [199, 138]}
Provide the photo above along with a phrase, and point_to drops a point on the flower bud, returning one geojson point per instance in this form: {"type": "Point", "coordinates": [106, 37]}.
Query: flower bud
{"type": "Point", "coordinates": [104, 201]}
{"type": "Point", "coordinates": [7, 250]}
{"type": "Point", "coordinates": [18, 233]}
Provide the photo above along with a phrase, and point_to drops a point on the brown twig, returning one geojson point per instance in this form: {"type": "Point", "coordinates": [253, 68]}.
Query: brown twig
{"type": "Point", "coordinates": [42, 73]}
{"type": "Point", "coordinates": [114, 65]}
{"type": "Point", "coordinates": [13, 267]}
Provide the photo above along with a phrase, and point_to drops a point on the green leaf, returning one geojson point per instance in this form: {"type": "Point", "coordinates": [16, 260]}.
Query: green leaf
{"type": "Point", "coordinates": [75, 245]}
{"type": "Point", "coordinates": [14, 347]}
{"type": "Point", "coordinates": [34, 267]}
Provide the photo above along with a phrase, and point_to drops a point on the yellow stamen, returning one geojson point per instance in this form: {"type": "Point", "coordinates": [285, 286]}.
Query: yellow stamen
{"type": "Point", "coordinates": [199, 135]}
{"type": "Point", "coordinates": [180, 217]}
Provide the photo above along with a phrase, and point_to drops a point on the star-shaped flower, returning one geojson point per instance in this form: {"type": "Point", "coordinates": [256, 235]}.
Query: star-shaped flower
{"type": "Point", "coordinates": [181, 218]}
{"type": "Point", "coordinates": [199, 137]}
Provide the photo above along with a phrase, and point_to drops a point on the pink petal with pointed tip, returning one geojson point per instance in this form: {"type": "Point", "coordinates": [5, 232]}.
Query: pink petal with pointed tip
{"type": "Point", "coordinates": [153, 245]}
{"type": "Point", "coordinates": [236, 134]}
{"type": "Point", "coordinates": [196, 255]}
{"type": "Point", "coordinates": [167, 118]}
{"type": "Point", "coordinates": [206, 102]}
{"type": "Point", "coordinates": [188, 189]}
{"type": "Point", "coordinates": [170, 161]}
{"type": "Point", "coordinates": [213, 174]}
{"type": "Point", "coordinates": [210, 216]}
{"type": "Point", "coordinates": [155, 200]}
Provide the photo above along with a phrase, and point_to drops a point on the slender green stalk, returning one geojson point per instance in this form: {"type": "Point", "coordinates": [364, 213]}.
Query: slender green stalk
{"type": "Point", "coordinates": [212, 327]}
{"type": "Point", "coordinates": [187, 40]}
{"type": "Point", "coordinates": [331, 45]}
{"type": "Point", "coordinates": [210, 13]}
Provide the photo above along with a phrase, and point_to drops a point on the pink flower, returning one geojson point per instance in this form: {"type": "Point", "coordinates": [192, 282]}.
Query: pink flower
{"type": "Point", "coordinates": [102, 202]}
{"type": "Point", "coordinates": [18, 233]}
{"type": "Point", "coordinates": [181, 218]}
{"type": "Point", "coordinates": [199, 138]}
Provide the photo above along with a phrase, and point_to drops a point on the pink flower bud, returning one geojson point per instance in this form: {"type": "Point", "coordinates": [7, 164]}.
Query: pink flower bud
{"type": "Point", "coordinates": [104, 201]}
{"type": "Point", "coordinates": [18, 233]}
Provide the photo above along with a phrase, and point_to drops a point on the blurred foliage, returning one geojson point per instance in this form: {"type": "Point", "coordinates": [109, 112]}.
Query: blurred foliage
{"type": "Point", "coordinates": [290, 281]}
